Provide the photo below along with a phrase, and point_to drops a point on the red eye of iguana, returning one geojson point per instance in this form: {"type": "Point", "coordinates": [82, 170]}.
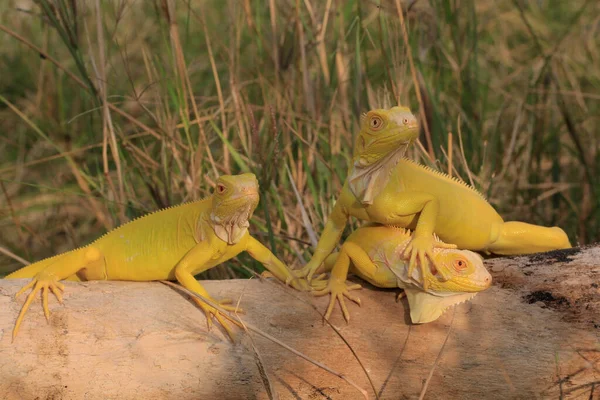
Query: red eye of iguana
{"type": "Point", "coordinates": [375, 123]}
{"type": "Point", "coordinates": [460, 265]}
{"type": "Point", "coordinates": [220, 188]}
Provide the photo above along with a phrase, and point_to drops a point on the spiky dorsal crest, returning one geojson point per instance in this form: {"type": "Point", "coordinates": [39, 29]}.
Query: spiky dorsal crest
{"type": "Point", "coordinates": [150, 214]}
{"type": "Point", "coordinates": [446, 177]}
{"type": "Point", "coordinates": [407, 232]}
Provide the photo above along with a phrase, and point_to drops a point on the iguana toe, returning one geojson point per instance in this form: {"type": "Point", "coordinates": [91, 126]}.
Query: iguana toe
{"type": "Point", "coordinates": [338, 290]}
{"type": "Point", "coordinates": [40, 283]}
{"type": "Point", "coordinates": [420, 249]}
{"type": "Point", "coordinates": [319, 283]}
{"type": "Point", "coordinates": [211, 312]}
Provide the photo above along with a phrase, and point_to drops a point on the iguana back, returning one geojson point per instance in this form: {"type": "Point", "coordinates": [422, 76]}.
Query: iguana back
{"type": "Point", "coordinates": [144, 249]}
{"type": "Point", "coordinates": [464, 217]}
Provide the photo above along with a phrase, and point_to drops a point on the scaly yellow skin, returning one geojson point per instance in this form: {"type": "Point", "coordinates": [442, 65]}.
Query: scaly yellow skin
{"type": "Point", "coordinates": [385, 188]}
{"type": "Point", "coordinates": [376, 254]}
{"type": "Point", "coordinates": [171, 244]}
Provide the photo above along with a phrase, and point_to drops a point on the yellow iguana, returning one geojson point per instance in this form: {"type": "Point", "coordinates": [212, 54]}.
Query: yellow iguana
{"type": "Point", "coordinates": [376, 254]}
{"type": "Point", "coordinates": [386, 188]}
{"type": "Point", "coordinates": [174, 243]}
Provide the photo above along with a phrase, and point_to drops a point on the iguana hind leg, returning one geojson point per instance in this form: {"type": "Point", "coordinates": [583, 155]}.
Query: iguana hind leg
{"type": "Point", "coordinates": [514, 237]}
{"type": "Point", "coordinates": [394, 209]}
{"type": "Point", "coordinates": [46, 277]}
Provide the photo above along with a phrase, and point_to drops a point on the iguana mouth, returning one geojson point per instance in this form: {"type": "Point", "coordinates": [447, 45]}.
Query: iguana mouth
{"type": "Point", "coordinates": [365, 181]}
{"type": "Point", "coordinates": [464, 285]}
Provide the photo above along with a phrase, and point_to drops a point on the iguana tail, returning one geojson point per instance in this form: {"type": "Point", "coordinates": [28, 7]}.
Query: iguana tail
{"type": "Point", "coordinates": [31, 270]}
{"type": "Point", "coordinates": [515, 237]}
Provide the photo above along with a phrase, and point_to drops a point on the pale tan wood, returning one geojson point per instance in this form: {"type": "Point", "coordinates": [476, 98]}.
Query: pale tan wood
{"type": "Point", "coordinates": [124, 340]}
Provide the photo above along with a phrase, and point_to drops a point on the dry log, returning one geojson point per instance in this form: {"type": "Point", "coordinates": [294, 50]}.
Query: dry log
{"type": "Point", "coordinates": [534, 334]}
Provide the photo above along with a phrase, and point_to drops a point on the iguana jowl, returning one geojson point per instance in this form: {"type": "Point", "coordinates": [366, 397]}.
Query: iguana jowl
{"type": "Point", "coordinates": [376, 254]}
{"type": "Point", "coordinates": [386, 188]}
{"type": "Point", "coordinates": [171, 244]}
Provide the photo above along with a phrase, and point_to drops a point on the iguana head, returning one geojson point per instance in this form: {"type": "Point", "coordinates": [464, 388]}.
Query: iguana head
{"type": "Point", "coordinates": [470, 277]}
{"type": "Point", "coordinates": [469, 273]}
{"type": "Point", "coordinates": [382, 141]}
{"type": "Point", "coordinates": [234, 200]}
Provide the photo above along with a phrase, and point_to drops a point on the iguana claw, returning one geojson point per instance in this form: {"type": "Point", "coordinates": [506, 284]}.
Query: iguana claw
{"type": "Point", "coordinates": [420, 247]}
{"type": "Point", "coordinates": [400, 296]}
{"type": "Point", "coordinates": [339, 290]}
{"type": "Point", "coordinates": [42, 281]}
{"type": "Point", "coordinates": [211, 312]}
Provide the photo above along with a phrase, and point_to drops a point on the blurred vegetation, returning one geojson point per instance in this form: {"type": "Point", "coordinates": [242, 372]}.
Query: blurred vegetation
{"type": "Point", "coordinates": [112, 109]}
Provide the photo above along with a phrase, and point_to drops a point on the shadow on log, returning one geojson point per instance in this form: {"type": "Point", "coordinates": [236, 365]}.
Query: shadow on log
{"type": "Point", "coordinates": [534, 334]}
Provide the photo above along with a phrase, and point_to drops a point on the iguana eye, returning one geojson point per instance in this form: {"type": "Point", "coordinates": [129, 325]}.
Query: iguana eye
{"type": "Point", "coordinates": [375, 123]}
{"type": "Point", "coordinates": [460, 265]}
{"type": "Point", "coordinates": [220, 188]}
{"type": "Point", "coordinates": [405, 121]}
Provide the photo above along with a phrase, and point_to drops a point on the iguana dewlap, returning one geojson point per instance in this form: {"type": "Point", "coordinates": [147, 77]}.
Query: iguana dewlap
{"type": "Point", "coordinates": [383, 187]}
{"type": "Point", "coordinates": [376, 254]}
{"type": "Point", "coordinates": [171, 244]}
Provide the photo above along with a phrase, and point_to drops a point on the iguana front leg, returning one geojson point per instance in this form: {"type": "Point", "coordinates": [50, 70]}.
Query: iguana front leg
{"type": "Point", "coordinates": [392, 208]}
{"type": "Point", "coordinates": [264, 256]}
{"type": "Point", "coordinates": [47, 279]}
{"type": "Point", "coordinates": [330, 237]}
{"type": "Point", "coordinates": [277, 268]}
{"type": "Point", "coordinates": [197, 260]}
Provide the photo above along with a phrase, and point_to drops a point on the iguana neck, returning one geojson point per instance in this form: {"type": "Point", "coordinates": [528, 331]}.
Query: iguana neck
{"type": "Point", "coordinates": [230, 230]}
{"type": "Point", "coordinates": [367, 181]}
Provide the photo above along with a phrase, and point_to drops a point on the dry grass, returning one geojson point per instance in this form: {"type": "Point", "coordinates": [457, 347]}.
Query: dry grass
{"type": "Point", "coordinates": [112, 109]}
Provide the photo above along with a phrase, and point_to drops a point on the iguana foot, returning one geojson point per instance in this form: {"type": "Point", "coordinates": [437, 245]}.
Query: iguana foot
{"type": "Point", "coordinates": [302, 272]}
{"type": "Point", "coordinates": [320, 282]}
{"type": "Point", "coordinates": [42, 281]}
{"type": "Point", "coordinates": [211, 312]}
{"type": "Point", "coordinates": [301, 284]}
{"type": "Point", "coordinates": [307, 271]}
{"type": "Point", "coordinates": [339, 290]}
{"type": "Point", "coordinates": [421, 246]}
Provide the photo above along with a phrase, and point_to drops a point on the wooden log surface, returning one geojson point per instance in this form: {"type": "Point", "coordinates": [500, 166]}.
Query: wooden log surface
{"type": "Point", "coordinates": [534, 334]}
